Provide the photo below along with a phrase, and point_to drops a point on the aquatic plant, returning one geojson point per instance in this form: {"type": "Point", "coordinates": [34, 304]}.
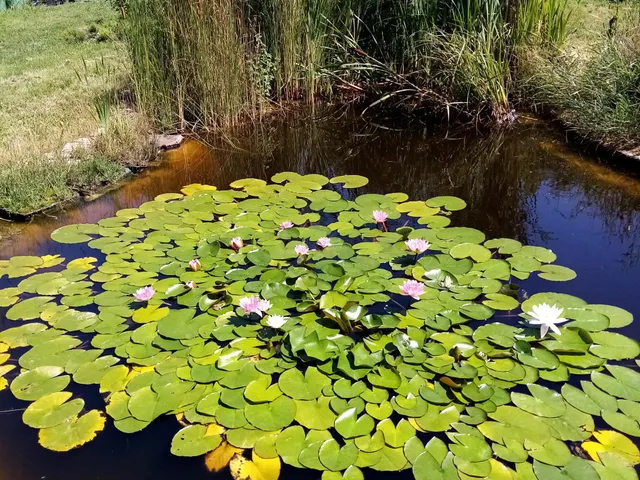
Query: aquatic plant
{"type": "Point", "coordinates": [357, 354]}
{"type": "Point", "coordinates": [216, 62]}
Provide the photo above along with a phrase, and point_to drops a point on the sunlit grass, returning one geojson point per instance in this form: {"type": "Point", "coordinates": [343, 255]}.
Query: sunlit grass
{"type": "Point", "coordinates": [61, 73]}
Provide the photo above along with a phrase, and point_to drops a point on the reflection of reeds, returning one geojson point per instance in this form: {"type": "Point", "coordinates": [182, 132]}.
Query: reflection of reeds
{"type": "Point", "coordinates": [611, 195]}
{"type": "Point", "coordinates": [502, 176]}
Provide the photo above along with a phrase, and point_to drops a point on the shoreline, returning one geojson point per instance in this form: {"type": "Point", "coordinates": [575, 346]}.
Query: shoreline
{"type": "Point", "coordinates": [614, 158]}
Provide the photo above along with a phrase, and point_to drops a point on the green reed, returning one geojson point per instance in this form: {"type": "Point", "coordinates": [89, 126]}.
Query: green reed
{"type": "Point", "coordinates": [215, 62]}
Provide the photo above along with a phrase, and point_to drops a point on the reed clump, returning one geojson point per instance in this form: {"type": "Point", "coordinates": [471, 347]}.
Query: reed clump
{"type": "Point", "coordinates": [212, 63]}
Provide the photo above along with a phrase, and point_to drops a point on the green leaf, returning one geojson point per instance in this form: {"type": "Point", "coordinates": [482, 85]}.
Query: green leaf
{"type": "Point", "coordinates": [52, 410]}
{"type": "Point", "coordinates": [438, 419]}
{"type": "Point", "coordinates": [350, 181]}
{"type": "Point", "coordinates": [307, 387]}
{"type": "Point", "coordinates": [72, 433]}
{"type": "Point", "coordinates": [450, 203]}
{"type": "Point", "coordinates": [39, 382]}
{"type": "Point", "coordinates": [193, 441]}
{"type": "Point", "coordinates": [613, 346]}
{"type": "Point", "coordinates": [554, 452]}
{"type": "Point", "coordinates": [259, 257]}
{"type": "Point", "coordinates": [273, 415]}
{"type": "Point", "coordinates": [556, 273]}
{"type": "Point", "coordinates": [470, 250]}
{"type": "Point", "coordinates": [350, 426]}
{"type": "Point", "coordinates": [315, 414]}
{"type": "Point", "coordinates": [543, 403]}
{"type": "Point", "coordinates": [335, 458]}
{"type": "Point", "coordinates": [396, 436]}
{"type": "Point", "coordinates": [332, 299]}
{"type": "Point", "coordinates": [289, 444]}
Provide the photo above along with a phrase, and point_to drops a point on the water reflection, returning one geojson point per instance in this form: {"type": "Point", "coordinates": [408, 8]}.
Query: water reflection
{"type": "Point", "coordinates": [523, 184]}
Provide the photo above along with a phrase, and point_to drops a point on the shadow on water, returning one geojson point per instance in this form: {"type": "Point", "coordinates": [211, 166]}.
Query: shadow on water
{"type": "Point", "coordinates": [523, 183]}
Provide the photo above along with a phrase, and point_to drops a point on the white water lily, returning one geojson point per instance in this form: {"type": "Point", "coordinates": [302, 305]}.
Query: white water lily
{"type": "Point", "coordinates": [276, 321]}
{"type": "Point", "coordinates": [446, 283]}
{"type": "Point", "coordinates": [408, 341]}
{"type": "Point", "coordinates": [547, 317]}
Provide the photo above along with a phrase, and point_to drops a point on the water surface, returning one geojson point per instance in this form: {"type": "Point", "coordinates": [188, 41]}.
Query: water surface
{"type": "Point", "coordinates": [524, 183]}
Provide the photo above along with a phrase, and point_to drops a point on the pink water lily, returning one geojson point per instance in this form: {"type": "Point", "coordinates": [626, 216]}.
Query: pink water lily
{"type": "Point", "coordinates": [236, 243]}
{"type": "Point", "coordinates": [286, 224]}
{"type": "Point", "coordinates": [144, 294]}
{"type": "Point", "coordinates": [324, 242]}
{"type": "Point", "coordinates": [301, 249]}
{"type": "Point", "coordinates": [253, 304]}
{"type": "Point", "coordinates": [417, 245]}
{"type": "Point", "coordinates": [380, 216]}
{"type": "Point", "coordinates": [190, 285]}
{"type": "Point", "coordinates": [195, 265]}
{"type": "Point", "coordinates": [412, 288]}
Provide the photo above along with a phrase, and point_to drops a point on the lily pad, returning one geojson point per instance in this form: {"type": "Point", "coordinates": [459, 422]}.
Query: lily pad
{"type": "Point", "coordinates": [72, 433]}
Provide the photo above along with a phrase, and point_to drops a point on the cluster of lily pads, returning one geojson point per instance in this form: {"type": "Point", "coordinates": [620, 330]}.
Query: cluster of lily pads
{"type": "Point", "coordinates": [296, 322]}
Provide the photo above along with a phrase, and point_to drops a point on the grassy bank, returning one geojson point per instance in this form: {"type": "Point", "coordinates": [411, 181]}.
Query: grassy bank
{"type": "Point", "coordinates": [61, 77]}
{"type": "Point", "coordinates": [593, 85]}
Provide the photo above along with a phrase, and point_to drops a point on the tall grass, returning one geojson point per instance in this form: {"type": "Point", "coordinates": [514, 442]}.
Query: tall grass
{"type": "Point", "coordinates": [542, 21]}
{"type": "Point", "coordinates": [215, 62]}
{"type": "Point", "coordinates": [598, 98]}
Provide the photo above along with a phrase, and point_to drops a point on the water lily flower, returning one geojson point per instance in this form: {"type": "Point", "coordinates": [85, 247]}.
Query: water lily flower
{"type": "Point", "coordinates": [379, 216]}
{"type": "Point", "coordinates": [190, 285]}
{"type": "Point", "coordinates": [547, 317]}
{"type": "Point", "coordinates": [276, 321]}
{"type": "Point", "coordinates": [286, 224]}
{"type": "Point", "coordinates": [301, 249]}
{"type": "Point", "coordinates": [144, 294]}
{"type": "Point", "coordinates": [236, 243]}
{"type": "Point", "coordinates": [408, 341]}
{"type": "Point", "coordinates": [446, 282]}
{"type": "Point", "coordinates": [324, 242]}
{"type": "Point", "coordinates": [417, 245]}
{"type": "Point", "coordinates": [195, 265]}
{"type": "Point", "coordinates": [253, 304]}
{"type": "Point", "coordinates": [412, 288]}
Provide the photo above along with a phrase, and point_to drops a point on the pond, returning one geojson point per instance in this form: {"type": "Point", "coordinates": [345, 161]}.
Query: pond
{"type": "Point", "coordinates": [524, 184]}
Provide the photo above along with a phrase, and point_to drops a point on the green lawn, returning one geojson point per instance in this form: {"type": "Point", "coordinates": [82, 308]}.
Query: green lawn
{"type": "Point", "coordinates": [43, 101]}
{"type": "Point", "coordinates": [55, 62]}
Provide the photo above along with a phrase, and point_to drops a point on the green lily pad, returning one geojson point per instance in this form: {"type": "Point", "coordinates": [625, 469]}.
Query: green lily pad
{"type": "Point", "coordinates": [450, 203]}
{"type": "Point", "coordinates": [72, 433]}
{"type": "Point", "coordinates": [52, 410]}
{"type": "Point", "coordinates": [351, 181]}
{"type": "Point", "coordinates": [613, 346]}
{"type": "Point", "coordinates": [336, 458]}
{"type": "Point", "coordinates": [350, 426]}
{"type": "Point", "coordinates": [273, 415]}
{"type": "Point", "coordinates": [315, 414]}
{"type": "Point", "coordinates": [470, 250]}
{"type": "Point", "coordinates": [193, 441]}
{"type": "Point", "coordinates": [396, 435]}
{"type": "Point", "coordinates": [39, 382]}
{"type": "Point", "coordinates": [543, 403]}
{"type": "Point", "coordinates": [299, 387]}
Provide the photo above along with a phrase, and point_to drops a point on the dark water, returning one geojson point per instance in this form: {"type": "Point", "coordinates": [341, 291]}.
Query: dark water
{"type": "Point", "coordinates": [524, 184]}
